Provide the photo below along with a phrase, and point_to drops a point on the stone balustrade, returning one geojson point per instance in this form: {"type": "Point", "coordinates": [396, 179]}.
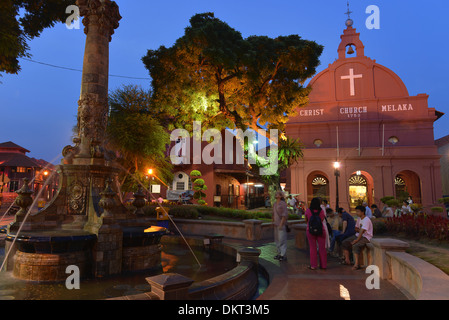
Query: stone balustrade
{"type": "Point", "coordinates": [250, 229]}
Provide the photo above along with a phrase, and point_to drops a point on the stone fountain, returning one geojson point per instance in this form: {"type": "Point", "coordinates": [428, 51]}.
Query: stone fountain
{"type": "Point", "coordinates": [85, 224]}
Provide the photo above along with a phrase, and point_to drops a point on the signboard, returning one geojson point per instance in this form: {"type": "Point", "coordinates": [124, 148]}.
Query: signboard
{"type": "Point", "coordinates": [156, 188]}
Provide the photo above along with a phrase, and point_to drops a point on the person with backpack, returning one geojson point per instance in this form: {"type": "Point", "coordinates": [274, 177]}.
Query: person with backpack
{"type": "Point", "coordinates": [316, 234]}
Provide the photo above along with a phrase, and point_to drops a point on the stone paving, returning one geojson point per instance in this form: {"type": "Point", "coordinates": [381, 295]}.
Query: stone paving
{"type": "Point", "coordinates": [292, 280]}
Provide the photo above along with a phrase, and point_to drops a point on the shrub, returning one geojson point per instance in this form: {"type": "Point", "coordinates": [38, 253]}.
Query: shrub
{"type": "Point", "coordinates": [444, 200]}
{"type": "Point", "coordinates": [437, 209]}
{"type": "Point", "coordinates": [149, 210]}
{"type": "Point", "coordinates": [416, 207]}
{"type": "Point", "coordinates": [385, 199]}
{"type": "Point", "coordinates": [195, 173]}
{"type": "Point", "coordinates": [392, 202]}
{"type": "Point", "coordinates": [379, 226]}
{"type": "Point", "coordinates": [184, 212]}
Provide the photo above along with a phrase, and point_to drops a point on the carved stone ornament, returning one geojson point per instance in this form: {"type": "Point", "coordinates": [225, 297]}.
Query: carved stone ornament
{"type": "Point", "coordinates": [92, 117]}
{"type": "Point", "coordinates": [76, 198]}
{"type": "Point", "coordinates": [104, 13]}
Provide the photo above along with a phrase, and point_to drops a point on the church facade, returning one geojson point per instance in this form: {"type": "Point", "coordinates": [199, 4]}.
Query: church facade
{"type": "Point", "coordinates": [360, 115]}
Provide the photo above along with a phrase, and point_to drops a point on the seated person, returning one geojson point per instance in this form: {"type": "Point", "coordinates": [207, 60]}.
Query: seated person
{"type": "Point", "coordinates": [357, 242]}
{"type": "Point", "coordinates": [406, 208]}
{"type": "Point", "coordinates": [334, 221]}
{"type": "Point", "coordinates": [376, 211]}
{"type": "Point", "coordinates": [348, 225]}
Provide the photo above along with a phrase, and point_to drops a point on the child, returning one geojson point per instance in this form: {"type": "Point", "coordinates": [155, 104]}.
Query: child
{"type": "Point", "coordinates": [356, 243]}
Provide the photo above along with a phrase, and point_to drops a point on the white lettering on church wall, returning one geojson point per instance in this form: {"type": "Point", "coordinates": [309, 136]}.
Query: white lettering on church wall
{"type": "Point", "coordinates": [395, 108]}
{"type": "Point", "coordinates": [311, 113]}
{"type": "Point", "coordinates": [353, 112]}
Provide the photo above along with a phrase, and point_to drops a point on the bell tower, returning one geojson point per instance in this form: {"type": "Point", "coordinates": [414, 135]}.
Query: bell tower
{"type": "Point", "coordinates": [350, 38]}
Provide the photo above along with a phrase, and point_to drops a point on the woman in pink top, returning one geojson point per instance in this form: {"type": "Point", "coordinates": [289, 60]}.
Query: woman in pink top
{"type": "Point", "coordinates": [315, 209]}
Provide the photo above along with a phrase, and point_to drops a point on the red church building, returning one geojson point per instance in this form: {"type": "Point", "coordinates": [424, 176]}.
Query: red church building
{"type": "Point", "coordinates": [362, 116]}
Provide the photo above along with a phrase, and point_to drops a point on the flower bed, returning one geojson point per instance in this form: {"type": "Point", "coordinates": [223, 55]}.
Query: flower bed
{"type": "Point", "coordinates": [432, 227]}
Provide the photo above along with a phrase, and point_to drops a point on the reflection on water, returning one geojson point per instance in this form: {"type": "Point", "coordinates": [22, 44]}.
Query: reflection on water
{"type": "Point", "coordinates": [174, 258]}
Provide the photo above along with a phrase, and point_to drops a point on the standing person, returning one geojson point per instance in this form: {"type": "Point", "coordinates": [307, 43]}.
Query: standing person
{"type": "Point", "coordinates": [292, 203]}
{"type": "Point", "coordinates": [267, 201]}
{"type": "Point", "coordinates": [409, 200]}
{"type": "Point", "coordinates": [314, 217]}
{"type": "Point", "coordinates": [280, 215]}
{"type": "Point", "coordinates": [356, 243]}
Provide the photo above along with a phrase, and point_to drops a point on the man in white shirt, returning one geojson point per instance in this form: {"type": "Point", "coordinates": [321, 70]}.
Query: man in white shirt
{"type": "Point", "coordinates": [292, 203]}
{"type": "Point", "coordinates": [356, 243]}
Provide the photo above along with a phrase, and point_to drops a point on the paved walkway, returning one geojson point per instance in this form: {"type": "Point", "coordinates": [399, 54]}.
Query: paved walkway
{"type": "Point", "coordinates": [292, 280]}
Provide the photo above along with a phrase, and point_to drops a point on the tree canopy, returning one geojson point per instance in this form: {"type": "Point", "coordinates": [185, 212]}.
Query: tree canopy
{"type": "Point", "coordinates": [137, 135]}
{"type": "Point", "coordinates": [16, 30]}
{"type": "Point", "coordinates": [212, 74]}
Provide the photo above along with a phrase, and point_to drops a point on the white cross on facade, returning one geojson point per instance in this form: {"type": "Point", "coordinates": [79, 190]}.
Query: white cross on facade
{"type": "Point", "coordinates": [351, 78]}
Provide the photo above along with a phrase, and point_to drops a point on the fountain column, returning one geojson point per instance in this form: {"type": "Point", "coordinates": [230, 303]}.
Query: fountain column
{"type": "Point", "coordinates": [100, 19]}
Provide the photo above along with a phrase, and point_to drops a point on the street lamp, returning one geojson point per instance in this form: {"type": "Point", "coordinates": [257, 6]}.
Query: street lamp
{"type": "Point", "coordinates": [150, 176]}
{"type": "Point", "coordinates": [337, 174]}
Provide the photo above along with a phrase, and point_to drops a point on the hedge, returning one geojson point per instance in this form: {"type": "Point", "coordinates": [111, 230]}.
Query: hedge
{"type": "Point", "coordinates": [195, 211]}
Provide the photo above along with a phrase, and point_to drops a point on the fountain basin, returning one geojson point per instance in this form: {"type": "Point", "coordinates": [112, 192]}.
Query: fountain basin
{"type": "Point", "coordinates": [45, 255]}
{"type": "Point", "coordinates": [142, 236]}
{"type": "Point", "coordinates": [141, 248]}
{"type": "Point", "coordinates": [53, 241]}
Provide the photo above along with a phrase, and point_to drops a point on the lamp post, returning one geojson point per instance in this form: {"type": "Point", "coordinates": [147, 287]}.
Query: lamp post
{"type": "Point", "coordinates": [337, 174]}
{"type": "Point", "coordinates": [150, 177]}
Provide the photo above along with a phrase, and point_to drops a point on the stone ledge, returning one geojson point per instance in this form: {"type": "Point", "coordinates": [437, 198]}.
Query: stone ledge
{"type": "Point", "coordinates": [422, 280]}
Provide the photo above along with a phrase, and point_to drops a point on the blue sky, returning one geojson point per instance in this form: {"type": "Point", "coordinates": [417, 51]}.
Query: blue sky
{"type": "Point", "coordinates": [39, 105]}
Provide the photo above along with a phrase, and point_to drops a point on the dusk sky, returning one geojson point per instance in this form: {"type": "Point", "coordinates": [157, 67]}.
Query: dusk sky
{"type": "Point", "coordinates": [39, 105]}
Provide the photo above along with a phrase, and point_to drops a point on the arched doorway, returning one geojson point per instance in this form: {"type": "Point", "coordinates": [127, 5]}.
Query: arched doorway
{"type": "Point", "coordinates": [407, 183]}
{"type": "Point", "coordinates": [360, 189]}
{"type": "Point", "coordinates": [317, 186]}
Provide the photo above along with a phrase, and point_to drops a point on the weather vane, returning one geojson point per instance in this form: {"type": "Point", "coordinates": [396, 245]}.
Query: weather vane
{"type": "Point", "coordinates": [348, 12]}
{"type": "Point", "coordinates": [349, 21]}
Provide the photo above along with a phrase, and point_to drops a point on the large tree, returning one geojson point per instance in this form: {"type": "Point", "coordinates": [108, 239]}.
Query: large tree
{"type": "Point", "coordinates": [214, 75]}
{"type": "Point", "coordinates": [136, 134]}
{"type": "Point", "coordinates": [16, 30]}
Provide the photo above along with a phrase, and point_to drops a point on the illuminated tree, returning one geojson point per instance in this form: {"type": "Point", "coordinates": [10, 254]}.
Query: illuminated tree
{"type": "Point", "coordinates": [212, 74]}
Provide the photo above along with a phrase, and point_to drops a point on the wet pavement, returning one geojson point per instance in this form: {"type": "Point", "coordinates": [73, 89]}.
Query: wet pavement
{"type": "Point", "coordinates": [292, 280]}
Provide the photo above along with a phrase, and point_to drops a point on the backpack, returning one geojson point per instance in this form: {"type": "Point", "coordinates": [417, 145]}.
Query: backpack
{"type": "Point", "coordinates": [315, 224]}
